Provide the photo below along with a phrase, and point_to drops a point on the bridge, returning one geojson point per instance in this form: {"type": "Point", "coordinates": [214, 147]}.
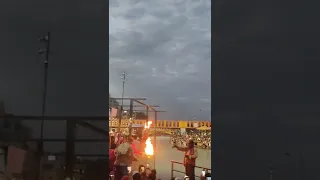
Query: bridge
{"type": "Point", "coordinates": [162, 124]}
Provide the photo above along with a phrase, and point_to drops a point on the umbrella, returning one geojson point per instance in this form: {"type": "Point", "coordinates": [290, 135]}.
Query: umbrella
{"type": "Point", "coordinates": [204, 128]}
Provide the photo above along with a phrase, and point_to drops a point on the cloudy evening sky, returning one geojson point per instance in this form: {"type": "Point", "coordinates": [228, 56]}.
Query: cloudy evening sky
{"type": "Point", "coordinates": [164, 46]}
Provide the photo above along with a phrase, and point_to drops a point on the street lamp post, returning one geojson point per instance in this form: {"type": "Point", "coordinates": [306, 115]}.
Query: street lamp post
{"type": "Point", "coordinates": [46, 51]}
{"type": "Point", "coordinates": [123, 77]}
{"type": "Point", "coordinates": [155, 136]}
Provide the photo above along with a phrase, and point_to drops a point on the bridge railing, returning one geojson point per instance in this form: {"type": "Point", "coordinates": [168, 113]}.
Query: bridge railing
{"type": "Point", "coordinates": [182, 172]}
{"type": "Point", "coordinates": [162, 124]}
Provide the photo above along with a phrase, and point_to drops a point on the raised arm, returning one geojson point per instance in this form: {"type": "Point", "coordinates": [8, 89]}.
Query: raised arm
{"type": "Point", "coordinates": [183, 149]}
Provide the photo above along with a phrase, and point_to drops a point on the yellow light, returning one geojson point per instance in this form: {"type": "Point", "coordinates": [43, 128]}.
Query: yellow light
{"type": "Point", "coordinates": [149, 147]}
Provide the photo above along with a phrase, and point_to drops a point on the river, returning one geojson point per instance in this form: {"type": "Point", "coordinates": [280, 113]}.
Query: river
{"type": "Point", "coordinates": [165, 153]}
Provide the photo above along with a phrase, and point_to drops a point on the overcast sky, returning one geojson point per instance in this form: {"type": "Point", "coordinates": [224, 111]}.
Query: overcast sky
{"type": "Point", "coordinates": [77, 75]}
{"type": "Point", "coordinates": [78, 63]}
{"type": "Point", "coordinates": [165, 48]}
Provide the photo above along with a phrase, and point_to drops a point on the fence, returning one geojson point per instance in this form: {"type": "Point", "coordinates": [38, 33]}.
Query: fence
{"type": "Point", "coordinates": [182, 172]}
{"type": "Point", "coordinates": [70, 139]}
{"type": "Point", "coordinates": [161, 124]}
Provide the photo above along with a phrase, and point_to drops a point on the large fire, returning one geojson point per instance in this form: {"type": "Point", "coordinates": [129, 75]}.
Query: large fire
{"type": "Point", "coordinates": [149, 147]}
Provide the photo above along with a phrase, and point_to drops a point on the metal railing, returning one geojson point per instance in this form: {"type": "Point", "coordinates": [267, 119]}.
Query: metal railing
{"type": "Point", "coordinates": [70, 139]}
{"type": "Point", "coordinates": [182, 172]}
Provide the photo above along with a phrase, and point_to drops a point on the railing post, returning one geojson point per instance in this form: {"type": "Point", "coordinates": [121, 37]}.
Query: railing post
{"type": "Point", "coordinates": [172, 169]}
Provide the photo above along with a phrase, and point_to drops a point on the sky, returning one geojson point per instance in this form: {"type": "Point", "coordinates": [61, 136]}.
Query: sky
{"type": "Point", "coordinates": [165, 49]}
{"type": "Point", "coordinates": [78, 63]}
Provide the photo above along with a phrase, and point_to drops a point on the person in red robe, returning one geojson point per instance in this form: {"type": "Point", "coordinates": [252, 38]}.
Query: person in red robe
{"type": "Point", "coordinates": [190, 157]}
{"type": "Point", "coordinates": [135, 149]}
{"type": "Point", "coordinates": [112, 159]}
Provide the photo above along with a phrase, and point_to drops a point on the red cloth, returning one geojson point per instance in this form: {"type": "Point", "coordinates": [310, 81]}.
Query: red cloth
{"type": "Point", "coordinates": [135, 150]}
{"type": "Point", "coordinates": [120, 140]}
{"type": "Point", "coordinates": [112, 158]}
{"type": "Point", "coordinates": [191, 161]}
{"type": "Point", "coordinates": [125, 178]}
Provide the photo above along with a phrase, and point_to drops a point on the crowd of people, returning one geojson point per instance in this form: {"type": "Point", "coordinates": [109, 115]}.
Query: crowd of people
{"type": "Point", "coordinates": [202, 138]}
{"type": "Point", "coordinates": [124, 151]}
{"type": "Point", "coordinates": [142, 174]}
{"type": "Point", "coordinates": [121, 155]}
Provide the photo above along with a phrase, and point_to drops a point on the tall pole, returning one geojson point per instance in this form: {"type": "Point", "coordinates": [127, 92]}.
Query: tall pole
{"type": "Point", "coordinates": [130, 118]}
{"type": "Point", "coordinates": [45, 39]}
{"type": "Point", "coordinates": [123, 77]}
{"type": "Point", "coordinates": [155, 138]}
{"type": "Point", "coordinates": [45, 83]}
{"type": "Point", "coordinates": [147, 114]}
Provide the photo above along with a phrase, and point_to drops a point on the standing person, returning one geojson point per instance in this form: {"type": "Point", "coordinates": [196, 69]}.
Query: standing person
{"type": "Point", "coordinates": [112, 159]}
{"type": "Point", "coordinates": [113, 144]}
{"type": "Point", "coordinates": [190, 157]}
{"type": "Point", "coordinates": [136, 146]}
{"type": "Point", "coordinates": [119, 139]}
{"type": "Point", "coordinates": [124, 157]}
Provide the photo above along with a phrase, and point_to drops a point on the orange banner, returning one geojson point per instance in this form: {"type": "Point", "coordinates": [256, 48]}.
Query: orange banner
{"type": "Point", "coordinates": [183, 124]}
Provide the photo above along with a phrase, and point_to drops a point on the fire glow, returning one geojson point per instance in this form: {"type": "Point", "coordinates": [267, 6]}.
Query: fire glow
{"type": "Point", "coordinates": [149, 147]}
{"type": "Point", "coordinates": [147, 126]}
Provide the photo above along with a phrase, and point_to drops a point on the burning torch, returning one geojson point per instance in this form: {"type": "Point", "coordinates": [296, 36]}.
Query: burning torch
{"type": "Point", "coordinates": [149, 147]}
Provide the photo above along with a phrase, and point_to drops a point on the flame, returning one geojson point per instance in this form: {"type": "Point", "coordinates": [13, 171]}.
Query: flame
{"type": "Point", "coordinates": [147, 126]}
{"type": "Point", "coordinates": [149, 147]}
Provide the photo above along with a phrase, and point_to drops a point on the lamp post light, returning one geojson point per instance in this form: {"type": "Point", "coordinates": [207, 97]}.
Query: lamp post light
{"type": "Point", "coordinates": [46, 51]}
